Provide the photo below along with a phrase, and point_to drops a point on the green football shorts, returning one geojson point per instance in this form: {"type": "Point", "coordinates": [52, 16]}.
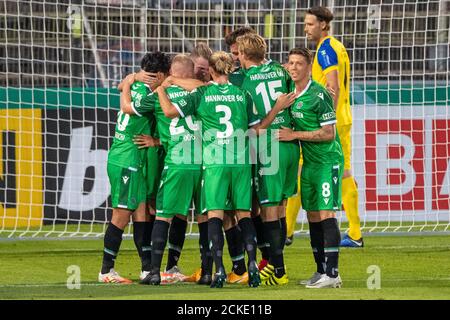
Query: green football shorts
{"type": "Point", "coordinates": [276, 180]}
{"type": "Point", "coordinates": [179, 188]}
{"type": "Point", "coordinates": [321, 187]}
{"type": "Point", "coordinates": [154, 168]}
{"type": "Point", "coordinates": [128, 188]}
{"type": "Point", "coordinates": [228, 188]}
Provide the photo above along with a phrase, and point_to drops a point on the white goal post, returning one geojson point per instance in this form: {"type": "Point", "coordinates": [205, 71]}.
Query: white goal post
{"type": "Point", "coordinates": [61, 61]}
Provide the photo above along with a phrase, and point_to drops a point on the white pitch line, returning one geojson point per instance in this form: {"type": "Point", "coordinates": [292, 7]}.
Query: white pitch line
{"type": "Point", "coordinates": [121, 285]}
{"type": "Point", "coordinates": [407, 247]}
{"type": "Point", "coordinates": [55, 285]}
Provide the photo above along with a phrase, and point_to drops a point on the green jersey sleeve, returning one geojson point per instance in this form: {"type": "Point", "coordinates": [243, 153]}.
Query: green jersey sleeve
{"type": "Point", "coordinates": [145, 104]}
{"type": "Point", "coordinates": [252, 113]}
{"type": "Point", "coordinates": [189, 104]}
{"type": "Point", "coordinates": [325, 111]}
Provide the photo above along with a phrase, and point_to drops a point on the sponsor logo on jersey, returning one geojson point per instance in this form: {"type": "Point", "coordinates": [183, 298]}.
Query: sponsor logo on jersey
{"type": "Point", "coordinates": [125, 179]}
{"type": "Point", "coordinates": [189, 137]}
{"type": "Point", "coordinates": [326, 200]}
{"type": "Point", "coordinates": [335, 179]}
{"type": "Point", "coordinates": [298, 115]}
{"type": "Point", "coordinates": [119, 136]}
{"type": "Point", "coordinates": [278, 120]}
{"type": "Point", "coordinates": [328, 116]}
{"type": "Point", "coordinates": [325, 57]}
{"type": "Point", "coordinates": [223, 141]}
{"type": "Point", "coordinates": [320, 95]}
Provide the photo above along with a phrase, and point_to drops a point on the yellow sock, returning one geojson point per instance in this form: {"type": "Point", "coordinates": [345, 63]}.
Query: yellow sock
{"type": "Point", "coordinates": [292, 208]}
{"type": "Point", "coordinates": [350, 201]}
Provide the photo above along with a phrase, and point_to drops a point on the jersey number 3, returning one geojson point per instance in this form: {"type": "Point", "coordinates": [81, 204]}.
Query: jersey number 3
{"type": "Point", "coordinates": [226, 121]}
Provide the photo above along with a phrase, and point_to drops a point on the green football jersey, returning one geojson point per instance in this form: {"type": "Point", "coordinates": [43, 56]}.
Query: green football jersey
{"type": "Point", "coordinates": [237, 77]}
{"type": "Point", "coordinates": [226, 112]}
{"type": "Point", "coordinates": [266, 83]}
{"type": "Point", "coordinates": [180, 137]}
{"type": "Point", "coordinates": [123, 151]}
{"type": "Point", "coordinates": [313, 109]}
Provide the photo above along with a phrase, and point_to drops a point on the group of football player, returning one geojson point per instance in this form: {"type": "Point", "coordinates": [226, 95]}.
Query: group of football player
{"type": "Point", "coordinates": [233, 136]}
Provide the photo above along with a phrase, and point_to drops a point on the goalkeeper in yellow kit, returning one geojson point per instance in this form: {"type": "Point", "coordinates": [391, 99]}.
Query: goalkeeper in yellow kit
{"type": "Point", "coordinates": [331, 68]}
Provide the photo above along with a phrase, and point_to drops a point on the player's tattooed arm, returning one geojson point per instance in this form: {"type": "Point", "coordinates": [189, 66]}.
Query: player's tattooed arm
{"type": "Point", "coordinates": [186, 84]}
{"type": "Point", "coordinates": [283, 102]}
{"type": "Point", "coordinates": [166, 105]}
{"type": "Point", "coordinates": [325, 133]}
{"type": "Point", "coordinates": [125, 96]}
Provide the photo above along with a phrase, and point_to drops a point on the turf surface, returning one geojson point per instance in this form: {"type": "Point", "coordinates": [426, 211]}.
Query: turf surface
{"type": "Point", "coordinates": [412, 267]}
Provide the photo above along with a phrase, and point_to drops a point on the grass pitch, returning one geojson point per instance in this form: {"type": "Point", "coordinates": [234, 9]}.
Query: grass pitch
{"type": "Point", "coordinates": [412, 267]}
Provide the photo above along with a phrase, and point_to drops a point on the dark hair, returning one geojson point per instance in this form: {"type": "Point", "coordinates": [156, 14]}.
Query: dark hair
{"type": "Point", "coordinates": [156, 62]}
{"type": "Point", "coordinates": [322, 14]}
{"type": "Point", "coordinates": [305, 52]}
{"type": "Point", "coordinates": [230, 38]}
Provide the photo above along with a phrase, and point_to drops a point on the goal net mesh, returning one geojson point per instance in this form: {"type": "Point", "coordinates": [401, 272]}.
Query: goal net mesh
{"type": "Point", "coordinates": [61, 62]}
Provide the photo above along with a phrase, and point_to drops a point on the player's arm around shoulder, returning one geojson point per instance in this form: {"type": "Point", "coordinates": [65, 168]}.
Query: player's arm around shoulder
{"type": "Point", "coordinates": [184, 107]}
{"type": "Point", "coordinates": [138, 100]}
{"type": "Point", "coordinates": [125, 96]}
{"type": "Point", "coordinates": [284, 101]}
{"type": "Point", "coordinates": [187, 84]}
{"type": "Point", "coordinates": [325, 115]}
{"type": "Point", "coordinates": [166, 105]}
{"type": "Point", "coordinates": [326, 133]}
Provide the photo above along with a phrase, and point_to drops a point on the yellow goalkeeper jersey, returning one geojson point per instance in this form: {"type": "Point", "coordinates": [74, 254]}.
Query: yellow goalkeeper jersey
{"type": "Point", "coordinates": [332, 55]}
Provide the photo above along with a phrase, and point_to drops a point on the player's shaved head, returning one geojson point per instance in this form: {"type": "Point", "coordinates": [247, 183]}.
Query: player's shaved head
{"type": "Point", "coordinates": [182, 66]}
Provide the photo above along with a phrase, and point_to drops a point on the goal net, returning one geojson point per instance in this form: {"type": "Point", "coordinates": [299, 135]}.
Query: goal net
{"type": "Point", "coordinates": [61, 61]}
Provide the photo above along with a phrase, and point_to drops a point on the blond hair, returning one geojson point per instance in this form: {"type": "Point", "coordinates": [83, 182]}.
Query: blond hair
{"type": "Point", "coordinates": [253, 46]}
{"type": "Point", "coordinates": [201, 50]}
{"type": "Point", "coordinates": [221, 62]}
{"type": "Point", "coordinates": [183, 59]}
